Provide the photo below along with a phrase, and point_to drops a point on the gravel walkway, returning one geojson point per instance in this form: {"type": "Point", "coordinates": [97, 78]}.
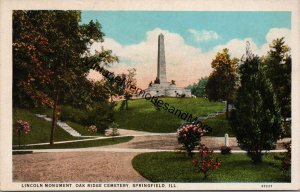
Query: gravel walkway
{"type": "Point", "coordinates": [104, 166]}
{"type": "Point", "coordinates": [76, 167]}
{"type": "Point", "coordinates": [169, 142]}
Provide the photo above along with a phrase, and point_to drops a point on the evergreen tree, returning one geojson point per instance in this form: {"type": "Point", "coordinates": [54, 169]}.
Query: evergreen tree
{"type": "Point", "coordinates": [279, 63]}
{"type": "Point", "coordinates": [256, 120]}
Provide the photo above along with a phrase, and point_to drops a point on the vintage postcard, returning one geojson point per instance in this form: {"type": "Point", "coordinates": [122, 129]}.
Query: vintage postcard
{"type": "Point", "coordinates": [150, 95]}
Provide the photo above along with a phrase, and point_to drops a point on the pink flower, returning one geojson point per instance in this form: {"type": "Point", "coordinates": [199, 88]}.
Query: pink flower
{"type": "Point", "coordinates": [194, 161]}
{"type": "Point", "coordinates": [23, 126]}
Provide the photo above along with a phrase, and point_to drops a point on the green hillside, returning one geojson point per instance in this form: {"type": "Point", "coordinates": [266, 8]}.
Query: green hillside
{"type": "Point", "coordinates": [144, 116]}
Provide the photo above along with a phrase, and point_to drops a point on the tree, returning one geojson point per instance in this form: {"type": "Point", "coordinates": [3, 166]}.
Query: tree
{"type": "Point", "coordinates": [212, 87]}
{"type": "Point", "coordinates": [31, 69]}
{"type": "Point", "coordinates": [198, 89]}
{"type": "Point", "coordinates": [221, 83]}
{"type": "Point", "coordinates": [127, 87]}
{"type": "Point", "coordinates": [85, 93]}
{"type": "Point", "coordinates": [256, 120]}
{"type": "Point", "coordinates": [278, 63]}
{"type": "Point", "coordinates": [49, 49]}
{"type": "Point", "coordinates": [130, 82]}
{"type": "Point", "coordinates": [113, 87]}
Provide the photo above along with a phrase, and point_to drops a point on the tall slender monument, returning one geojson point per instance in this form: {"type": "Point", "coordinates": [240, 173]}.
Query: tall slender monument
{"type": "Point", "coordinates": [161, 87]}
{"type": "Point", "coordinates": [161, 62]}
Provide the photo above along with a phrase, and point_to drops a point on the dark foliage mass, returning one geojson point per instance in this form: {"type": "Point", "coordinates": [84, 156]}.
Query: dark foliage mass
{"type": "Point", "coordinates": [49, 53]}
{"type": "Point", "coordinates": [256, 120]}
{"type": "Point", "coordinates": [199, 89]}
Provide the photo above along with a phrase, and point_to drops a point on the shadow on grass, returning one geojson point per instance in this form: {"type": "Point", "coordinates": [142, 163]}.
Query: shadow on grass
{"type": "Point", "coordinates": [80, 144]}
{"type": "Point", "coordinates": [21, 152]}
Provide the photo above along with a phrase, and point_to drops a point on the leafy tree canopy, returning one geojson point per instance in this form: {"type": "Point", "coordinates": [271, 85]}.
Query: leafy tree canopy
{"type": "Point", "coordinates": [198, 89]}
{"type": "Point", "coordinates": [222, 81]}
{"type": "Point", "coordinates": [49, 50]}
{"type": "Point", "coordinates": [48, 53]}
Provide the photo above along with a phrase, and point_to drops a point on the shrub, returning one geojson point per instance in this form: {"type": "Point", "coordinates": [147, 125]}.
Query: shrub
{"type": "Point", "coordinates": [22, 127]}
{"type": "Point", "coordinates": [102, 115]}
{"type": "Point", "coordinates": [115, 131]}
{"type": "Point", "coordinates": [189, 135]}
{"type": "Point", "coordinates": [225, 150]}
{"type": "Point", "coordinates": [286, 129]}
{"type": "Point", "coordinates": [92, 129]}
{"type": "Point", "coordinates": [206, 163]}
{"type": "Point", "coordinates": [72, 114]}
{"type": "Point", "coordinates": [286, 162]}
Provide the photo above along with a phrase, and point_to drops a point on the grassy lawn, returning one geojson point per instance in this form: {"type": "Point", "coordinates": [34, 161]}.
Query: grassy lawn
{"type": "Point", "coordinates": [177, 167]}
{"type": "Point", "coordinates": [143, 116]}
{"type": "Point", "coordinates": [77, 127]}
{"type": "Point", "coordinates": [81, 144]}
{"type": "Point", "coordinates": [220, 125]}
{"type": "Point", "coordinates": [40, 129]}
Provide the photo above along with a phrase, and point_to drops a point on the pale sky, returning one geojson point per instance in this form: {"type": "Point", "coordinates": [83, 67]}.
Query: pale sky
{"type": "Point", "coordinates": [192, 39]}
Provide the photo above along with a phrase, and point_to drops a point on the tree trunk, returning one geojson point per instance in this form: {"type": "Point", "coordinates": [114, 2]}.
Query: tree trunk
{"type": "Point", "coordinates": [54, 119]}
{"type": "Point", "coordinates": [258, 157]}
{"type": "Point", "coordinates": [205, 175]}
{"type": "Point", "coordinates": [19, 138]}
{"type": "Point", "coordinates": [227, 110]}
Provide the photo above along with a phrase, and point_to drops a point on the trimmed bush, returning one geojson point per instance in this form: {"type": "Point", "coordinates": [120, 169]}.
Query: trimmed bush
{"type": "Point", "coordinates": [225, 150]}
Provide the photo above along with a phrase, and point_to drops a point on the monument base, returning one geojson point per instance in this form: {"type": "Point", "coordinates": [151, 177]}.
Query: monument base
{"type": "Point", "coordinates": [168, 90]}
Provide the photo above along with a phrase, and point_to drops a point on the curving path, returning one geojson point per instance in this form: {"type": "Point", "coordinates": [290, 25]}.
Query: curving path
{"type": "Point", "coordinates": [99, 164]}
{"type": "Point", "coordinates": [169, 142]}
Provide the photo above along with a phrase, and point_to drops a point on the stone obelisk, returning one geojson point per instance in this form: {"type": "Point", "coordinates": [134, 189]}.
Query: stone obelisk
{"type": "Point", "coordinates": [161, 62]}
